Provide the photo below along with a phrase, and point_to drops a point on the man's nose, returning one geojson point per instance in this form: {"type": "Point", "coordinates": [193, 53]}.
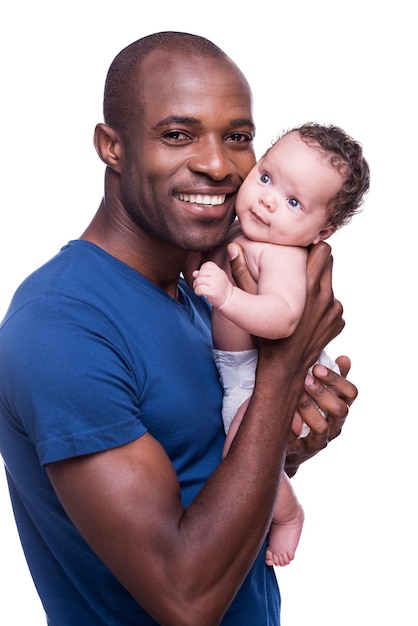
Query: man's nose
{"type": "Point", "coordinates": [212, 158]}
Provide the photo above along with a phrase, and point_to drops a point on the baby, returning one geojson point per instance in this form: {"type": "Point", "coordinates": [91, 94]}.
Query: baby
{"type": "Point", "coordinates": [307, 185]}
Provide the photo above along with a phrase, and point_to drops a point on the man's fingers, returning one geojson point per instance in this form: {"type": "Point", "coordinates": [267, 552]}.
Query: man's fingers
{"type": "Point", "coordinates": [344, 364]}
{"type": "Point", "coordinates": [240, 270]}
{"type": "Point", "coordinates": [344, 392]}
{"type": "Point", "coordinates": [319, 256]}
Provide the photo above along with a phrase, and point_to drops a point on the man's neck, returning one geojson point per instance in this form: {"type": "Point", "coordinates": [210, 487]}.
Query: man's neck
{"type": "Point", "coordinates": [158, 262]}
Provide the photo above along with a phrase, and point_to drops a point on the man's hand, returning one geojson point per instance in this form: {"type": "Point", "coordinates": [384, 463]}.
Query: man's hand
{"type": "Point", "coordinates": [334, 395]}
{"type": "Point", "coordinates": [239, 268]}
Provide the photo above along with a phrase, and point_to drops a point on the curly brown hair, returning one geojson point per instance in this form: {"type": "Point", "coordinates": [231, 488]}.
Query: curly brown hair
{"type": "Point", "coordinates": [346, 155]}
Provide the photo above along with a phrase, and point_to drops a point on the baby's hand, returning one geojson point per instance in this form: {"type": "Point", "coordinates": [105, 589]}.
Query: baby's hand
{"type": "Point", "coordinates": [211, 281]}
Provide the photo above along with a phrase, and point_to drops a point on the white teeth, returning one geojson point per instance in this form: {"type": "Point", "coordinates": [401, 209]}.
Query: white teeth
{"type": "Point", "coordinates": [199, 199]}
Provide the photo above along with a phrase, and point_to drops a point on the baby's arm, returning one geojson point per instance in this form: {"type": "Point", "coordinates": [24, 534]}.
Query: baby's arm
{"type": "Point", "coordinates": [276, 309]}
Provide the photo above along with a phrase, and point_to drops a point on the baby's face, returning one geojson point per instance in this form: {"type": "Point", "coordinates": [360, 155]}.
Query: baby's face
{"type": "Point", "coordinates": [284, 198]}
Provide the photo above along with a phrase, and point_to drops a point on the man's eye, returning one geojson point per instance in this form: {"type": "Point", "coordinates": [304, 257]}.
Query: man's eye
{"type": "Point", "coordinates": [265, 178]}
{"type": "Point", "coordinates": [176, 135]}
{"type": "Point", "coordinates": [294, 203]}
{"type": "Point", "coordinates": [240, 138]}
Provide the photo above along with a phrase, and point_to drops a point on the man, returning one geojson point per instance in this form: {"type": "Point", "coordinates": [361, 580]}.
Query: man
{"type": "Point", "coordinates": [110, 403]}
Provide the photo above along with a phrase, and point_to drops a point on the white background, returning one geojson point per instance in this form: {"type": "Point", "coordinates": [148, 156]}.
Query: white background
{"type": "Point", "coordinates": [353, 64]}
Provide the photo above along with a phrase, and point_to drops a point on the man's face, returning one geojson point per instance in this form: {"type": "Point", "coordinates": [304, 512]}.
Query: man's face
{"type": "Point", "coordinates": [188, 150]}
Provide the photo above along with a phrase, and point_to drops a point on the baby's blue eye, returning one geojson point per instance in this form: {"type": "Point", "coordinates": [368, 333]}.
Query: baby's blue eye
{"type": "Point", "coordinates": [294, 203]}
{"type": "Point", "coordinates": [265, 178]}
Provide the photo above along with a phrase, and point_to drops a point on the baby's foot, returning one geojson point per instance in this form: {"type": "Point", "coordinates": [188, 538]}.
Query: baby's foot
{"type": "Point", "coordinates": [283, 541]}
{"type": "Point", "coordinates": [284, 558]}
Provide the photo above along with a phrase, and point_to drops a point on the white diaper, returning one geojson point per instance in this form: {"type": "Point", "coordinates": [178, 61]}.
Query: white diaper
{"type": "Point", "coordinates": [237, 374]}
{"type": "Point", "coordinates": [325, 359]}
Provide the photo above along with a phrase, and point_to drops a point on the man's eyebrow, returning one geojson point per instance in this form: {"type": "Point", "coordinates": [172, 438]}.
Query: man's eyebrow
{"type": "Point", "coordinates": [244, 121]}
{"type": "Point", "coordinates": [177, 119]}
{"type": "Point", "coordinates": [181, 119]}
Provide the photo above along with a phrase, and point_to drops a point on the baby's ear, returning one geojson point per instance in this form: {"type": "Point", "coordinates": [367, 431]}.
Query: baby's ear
{"type": "Point", "coordinates": [324, 234]}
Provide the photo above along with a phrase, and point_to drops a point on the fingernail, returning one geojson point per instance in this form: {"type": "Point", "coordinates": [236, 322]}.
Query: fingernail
{"type": "Point", "coordinates": [309, 380]}
{"type": "Point", "coordinates": [321, 370]}
{"type": "Point", "coordinates": [233, 252]}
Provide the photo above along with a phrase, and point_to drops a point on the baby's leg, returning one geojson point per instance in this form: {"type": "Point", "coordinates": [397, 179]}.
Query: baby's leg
{"type": "Point", "coordinates": [286, 526]}
{"type": "Point", "coordinates": [234, 427]}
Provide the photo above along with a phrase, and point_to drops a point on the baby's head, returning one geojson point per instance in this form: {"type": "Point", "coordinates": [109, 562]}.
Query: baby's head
{"type": "Point", "coordinates": [346, 155]}
{"type": "Point", "coordinates": [310, 182]}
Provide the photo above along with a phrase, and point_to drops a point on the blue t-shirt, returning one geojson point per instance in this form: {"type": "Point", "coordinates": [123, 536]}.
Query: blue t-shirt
{"type": "Point", "coordinates": [92, 356]}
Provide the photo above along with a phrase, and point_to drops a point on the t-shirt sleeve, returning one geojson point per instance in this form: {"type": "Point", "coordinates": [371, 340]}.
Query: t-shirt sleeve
{"type": "Point", "coordinates": [75, 384]}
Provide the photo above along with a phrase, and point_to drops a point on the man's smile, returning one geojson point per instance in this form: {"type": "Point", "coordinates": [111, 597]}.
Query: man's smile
{"type": "Point", "coordinates": [206, 199]}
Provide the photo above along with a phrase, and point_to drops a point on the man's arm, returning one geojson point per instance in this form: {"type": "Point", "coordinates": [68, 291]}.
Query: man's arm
{"type": "Point", "coordinates": [185, 565]}
{"type": "Point", "coordinates": [332, 392]}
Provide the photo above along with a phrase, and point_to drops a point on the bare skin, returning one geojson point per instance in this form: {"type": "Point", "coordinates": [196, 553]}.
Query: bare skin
{"type": "Point", "coordinates": [333, 393]}
{"type": "Point", "coordinates": [288, 516]}
{"type": "Point", "coordinates": [184, 565]}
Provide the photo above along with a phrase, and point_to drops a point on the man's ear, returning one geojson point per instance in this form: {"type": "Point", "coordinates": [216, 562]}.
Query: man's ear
{"type": "Point", "coordinates": [324, 234]}
{"type": "Point", "coordinates": [108, 145]}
